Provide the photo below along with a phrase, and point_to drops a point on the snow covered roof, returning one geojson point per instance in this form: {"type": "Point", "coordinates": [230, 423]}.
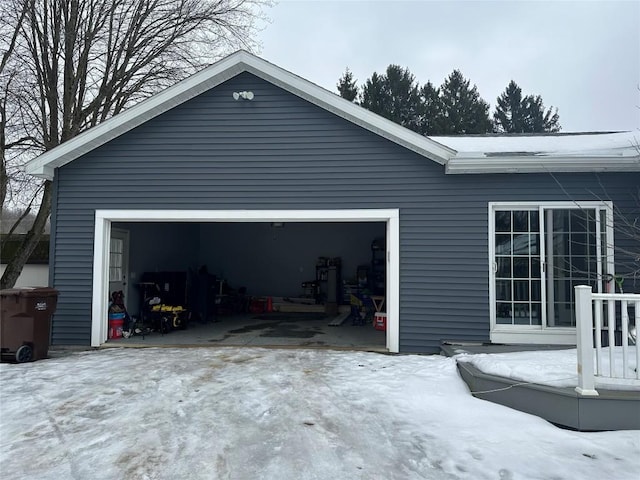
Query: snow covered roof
{"type": "Point", "coordinates": [460, 154]}
{"type": "Point", "coordinates": [565, 152]}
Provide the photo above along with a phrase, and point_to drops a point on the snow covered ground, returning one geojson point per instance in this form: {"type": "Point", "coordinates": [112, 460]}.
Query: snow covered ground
{"type": "Point", "coordinates": [229, 413]}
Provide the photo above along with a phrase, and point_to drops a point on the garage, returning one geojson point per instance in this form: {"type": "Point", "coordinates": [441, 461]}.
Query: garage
{"type": "Point", "coordinates": [261, 191]}
{"type": "Point", "coordinates": [281, 277]}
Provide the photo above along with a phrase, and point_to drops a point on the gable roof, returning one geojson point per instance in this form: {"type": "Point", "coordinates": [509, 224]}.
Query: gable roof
{"type": "Point", "coordinates": [618, 151]}
{"type": "Point", "coordinates": [210, 77]}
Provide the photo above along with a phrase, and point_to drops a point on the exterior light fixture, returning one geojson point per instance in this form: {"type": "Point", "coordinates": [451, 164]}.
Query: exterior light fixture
{"type": "Point", "coordinates": [244, 95]}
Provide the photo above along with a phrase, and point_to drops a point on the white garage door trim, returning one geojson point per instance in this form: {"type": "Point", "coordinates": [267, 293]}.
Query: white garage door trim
{"type": "Point", "coordinates": [104, 218]}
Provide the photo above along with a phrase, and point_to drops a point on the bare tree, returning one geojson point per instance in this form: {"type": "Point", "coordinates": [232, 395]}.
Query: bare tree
{"type": "Point", "coordinates": [68, 65]}
{"type": "Point", "coordinates": [625, 224]}
{"type": "Point", "coordinates": [9, 29]}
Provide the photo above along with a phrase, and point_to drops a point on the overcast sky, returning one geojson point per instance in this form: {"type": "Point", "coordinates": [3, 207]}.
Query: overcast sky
{"type": "Point", "coordinates": [582, 57]}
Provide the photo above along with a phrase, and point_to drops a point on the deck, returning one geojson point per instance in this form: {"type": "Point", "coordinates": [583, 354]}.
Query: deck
{"type": "Point", "coordinates": [611, 410]}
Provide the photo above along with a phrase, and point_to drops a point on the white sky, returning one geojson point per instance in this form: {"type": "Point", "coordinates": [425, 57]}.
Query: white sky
{"type": "Point", "coordinates": [580, 56]}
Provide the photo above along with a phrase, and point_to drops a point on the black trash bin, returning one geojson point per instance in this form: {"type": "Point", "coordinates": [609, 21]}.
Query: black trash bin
{"type": "Point", "coordinates": [25, 322]}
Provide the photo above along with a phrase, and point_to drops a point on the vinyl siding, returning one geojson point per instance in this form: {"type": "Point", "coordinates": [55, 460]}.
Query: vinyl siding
{"type": "Point", "coordinates": [281, 152]}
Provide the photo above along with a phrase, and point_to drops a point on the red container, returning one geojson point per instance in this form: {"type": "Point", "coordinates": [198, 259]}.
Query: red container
{"type": "Point", "coordinates": [116, 325]}
{"type": "Point", "coordinates": [257, 305]}
{"type": "Point", "coordinates": [380, 321]}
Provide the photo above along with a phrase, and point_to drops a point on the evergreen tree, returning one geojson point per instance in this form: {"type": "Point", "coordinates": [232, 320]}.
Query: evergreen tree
{"type": "Point", "coordinates": [515, 114]}
{"type": "Point", "coordinates": [347, 87]}
{"type": "Point", "coordinates": [374, 95]}
{"type": "Point", "coordinates": [539, 120]}
{"type": "Point", "coordinates": [394, 95]}
{"type": "Point", "coordinates": [509, 116]}
{"type": "Point", "coordinates": [463, 111]}
{"type": "Point", "coordinates": [430, 110]}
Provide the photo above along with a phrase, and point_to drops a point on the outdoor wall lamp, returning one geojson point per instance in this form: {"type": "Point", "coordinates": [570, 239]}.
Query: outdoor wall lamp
{"type": "Point", "coordinates": [243, 95]}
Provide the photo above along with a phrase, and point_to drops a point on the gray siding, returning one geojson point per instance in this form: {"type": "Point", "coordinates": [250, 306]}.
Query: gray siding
{"type": "Point", "coordinates": [281, 152]}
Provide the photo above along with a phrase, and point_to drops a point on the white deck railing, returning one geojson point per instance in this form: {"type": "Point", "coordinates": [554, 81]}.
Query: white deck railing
{"type": "Point", "coordinates": [619, 362]}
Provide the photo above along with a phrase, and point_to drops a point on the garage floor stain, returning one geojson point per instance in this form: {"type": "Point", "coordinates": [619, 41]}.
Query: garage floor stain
{"type": "Point", "coordinates": [276, 328]}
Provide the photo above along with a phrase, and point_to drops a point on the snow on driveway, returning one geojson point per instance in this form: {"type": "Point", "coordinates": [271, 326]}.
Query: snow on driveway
{"type": "Point", "coordinates": [231, 413]}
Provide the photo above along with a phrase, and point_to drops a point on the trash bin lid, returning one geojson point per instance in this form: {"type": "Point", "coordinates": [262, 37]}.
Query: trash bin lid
{"type": "Point", "coordinates": [29, 292]}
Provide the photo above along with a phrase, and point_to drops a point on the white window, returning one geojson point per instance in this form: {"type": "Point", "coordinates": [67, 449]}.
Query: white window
{"type": "Point", "coordinates": [538, 253]}
{"type": "Point", "coordinates": [116, 256]}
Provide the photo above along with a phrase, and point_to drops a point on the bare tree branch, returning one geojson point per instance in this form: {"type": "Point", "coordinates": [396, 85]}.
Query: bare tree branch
{"type": "Point", "coordinates": [23, 6]}
{"type": "Point", "coordinates": [76, 63]}
{"type": "Point", "coordinates": [626, 226]}
{"type": "Point", "coordinates": [21, 218]}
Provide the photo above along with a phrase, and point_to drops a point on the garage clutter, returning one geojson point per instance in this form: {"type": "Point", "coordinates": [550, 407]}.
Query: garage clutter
{"type": "Point", "coordinates": [173, 300]}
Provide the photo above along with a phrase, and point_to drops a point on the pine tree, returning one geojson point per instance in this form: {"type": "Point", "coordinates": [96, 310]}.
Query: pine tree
{"type": "Point", "coordinates": [509, 114]}
{"type": "Point", "coordinates": [463, 111]}
{"type": "Point", "coordinates": [515, 114]}
{"type": "Point", "coordinates": [347, 86]}
{"type": "Point", "coordinates": [394, 95]}
{"type": "Point", "coordinates": [374, 95]}
{"type": "Point", "coordinates": [430, 110]}
{"type": "Point", "coordinates": [539, 120]}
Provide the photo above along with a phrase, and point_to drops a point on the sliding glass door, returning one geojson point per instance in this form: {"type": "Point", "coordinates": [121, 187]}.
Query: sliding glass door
{"type": "Point", "coordinates": [539, 254]}
{"type": "Point", "coordinates": [574, 256]}
{"type": "Point", "coordinates": [518, 287]}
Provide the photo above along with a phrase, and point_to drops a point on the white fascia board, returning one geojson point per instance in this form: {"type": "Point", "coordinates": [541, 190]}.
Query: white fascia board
{"type": "Point", "coordinates": [44, 165]}
{"type": "Point", "coordinates": [540, 164]}
{"type": "Point", "coordinates": [346, 215]}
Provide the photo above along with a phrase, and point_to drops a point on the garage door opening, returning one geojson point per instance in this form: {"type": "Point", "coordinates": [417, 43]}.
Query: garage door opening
{"type": "Point", "coordinates": [310, 278]}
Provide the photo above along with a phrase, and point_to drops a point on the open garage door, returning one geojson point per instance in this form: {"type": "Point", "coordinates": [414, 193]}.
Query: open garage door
{"type": "Point", "coordinates": [271, 269]}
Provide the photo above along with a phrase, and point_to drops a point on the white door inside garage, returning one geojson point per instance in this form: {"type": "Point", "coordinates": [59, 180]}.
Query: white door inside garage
{"type": "Point", "coordinates": [212, 221]}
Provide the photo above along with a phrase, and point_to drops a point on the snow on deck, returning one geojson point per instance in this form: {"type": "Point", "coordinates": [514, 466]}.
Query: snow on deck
{"type": "Point", "coordinates": [555, 368]}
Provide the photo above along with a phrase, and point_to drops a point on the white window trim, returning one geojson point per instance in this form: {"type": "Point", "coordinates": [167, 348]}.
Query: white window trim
{"type": "Point", "coordinates": [104, 218]}
{"type": "Point", "coordinates": [532, 334]}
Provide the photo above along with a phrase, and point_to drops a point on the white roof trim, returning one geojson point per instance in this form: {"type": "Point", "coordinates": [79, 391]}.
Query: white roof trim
{"type": "Point", "coordinates": [568, 152]}
{"type": "Point", "coordinates": [611, 154]}
{"type": "Point", "coordinates": [241, 61]}
{"type": "Point", "coordinates": [542, 164]}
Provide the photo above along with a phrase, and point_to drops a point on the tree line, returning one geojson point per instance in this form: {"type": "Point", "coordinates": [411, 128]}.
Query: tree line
{"type": "Point", "coordinates": [455, 107]}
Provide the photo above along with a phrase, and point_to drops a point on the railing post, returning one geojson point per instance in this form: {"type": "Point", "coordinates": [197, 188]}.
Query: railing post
{"type": "Point", "coordinates": [584, 341]}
